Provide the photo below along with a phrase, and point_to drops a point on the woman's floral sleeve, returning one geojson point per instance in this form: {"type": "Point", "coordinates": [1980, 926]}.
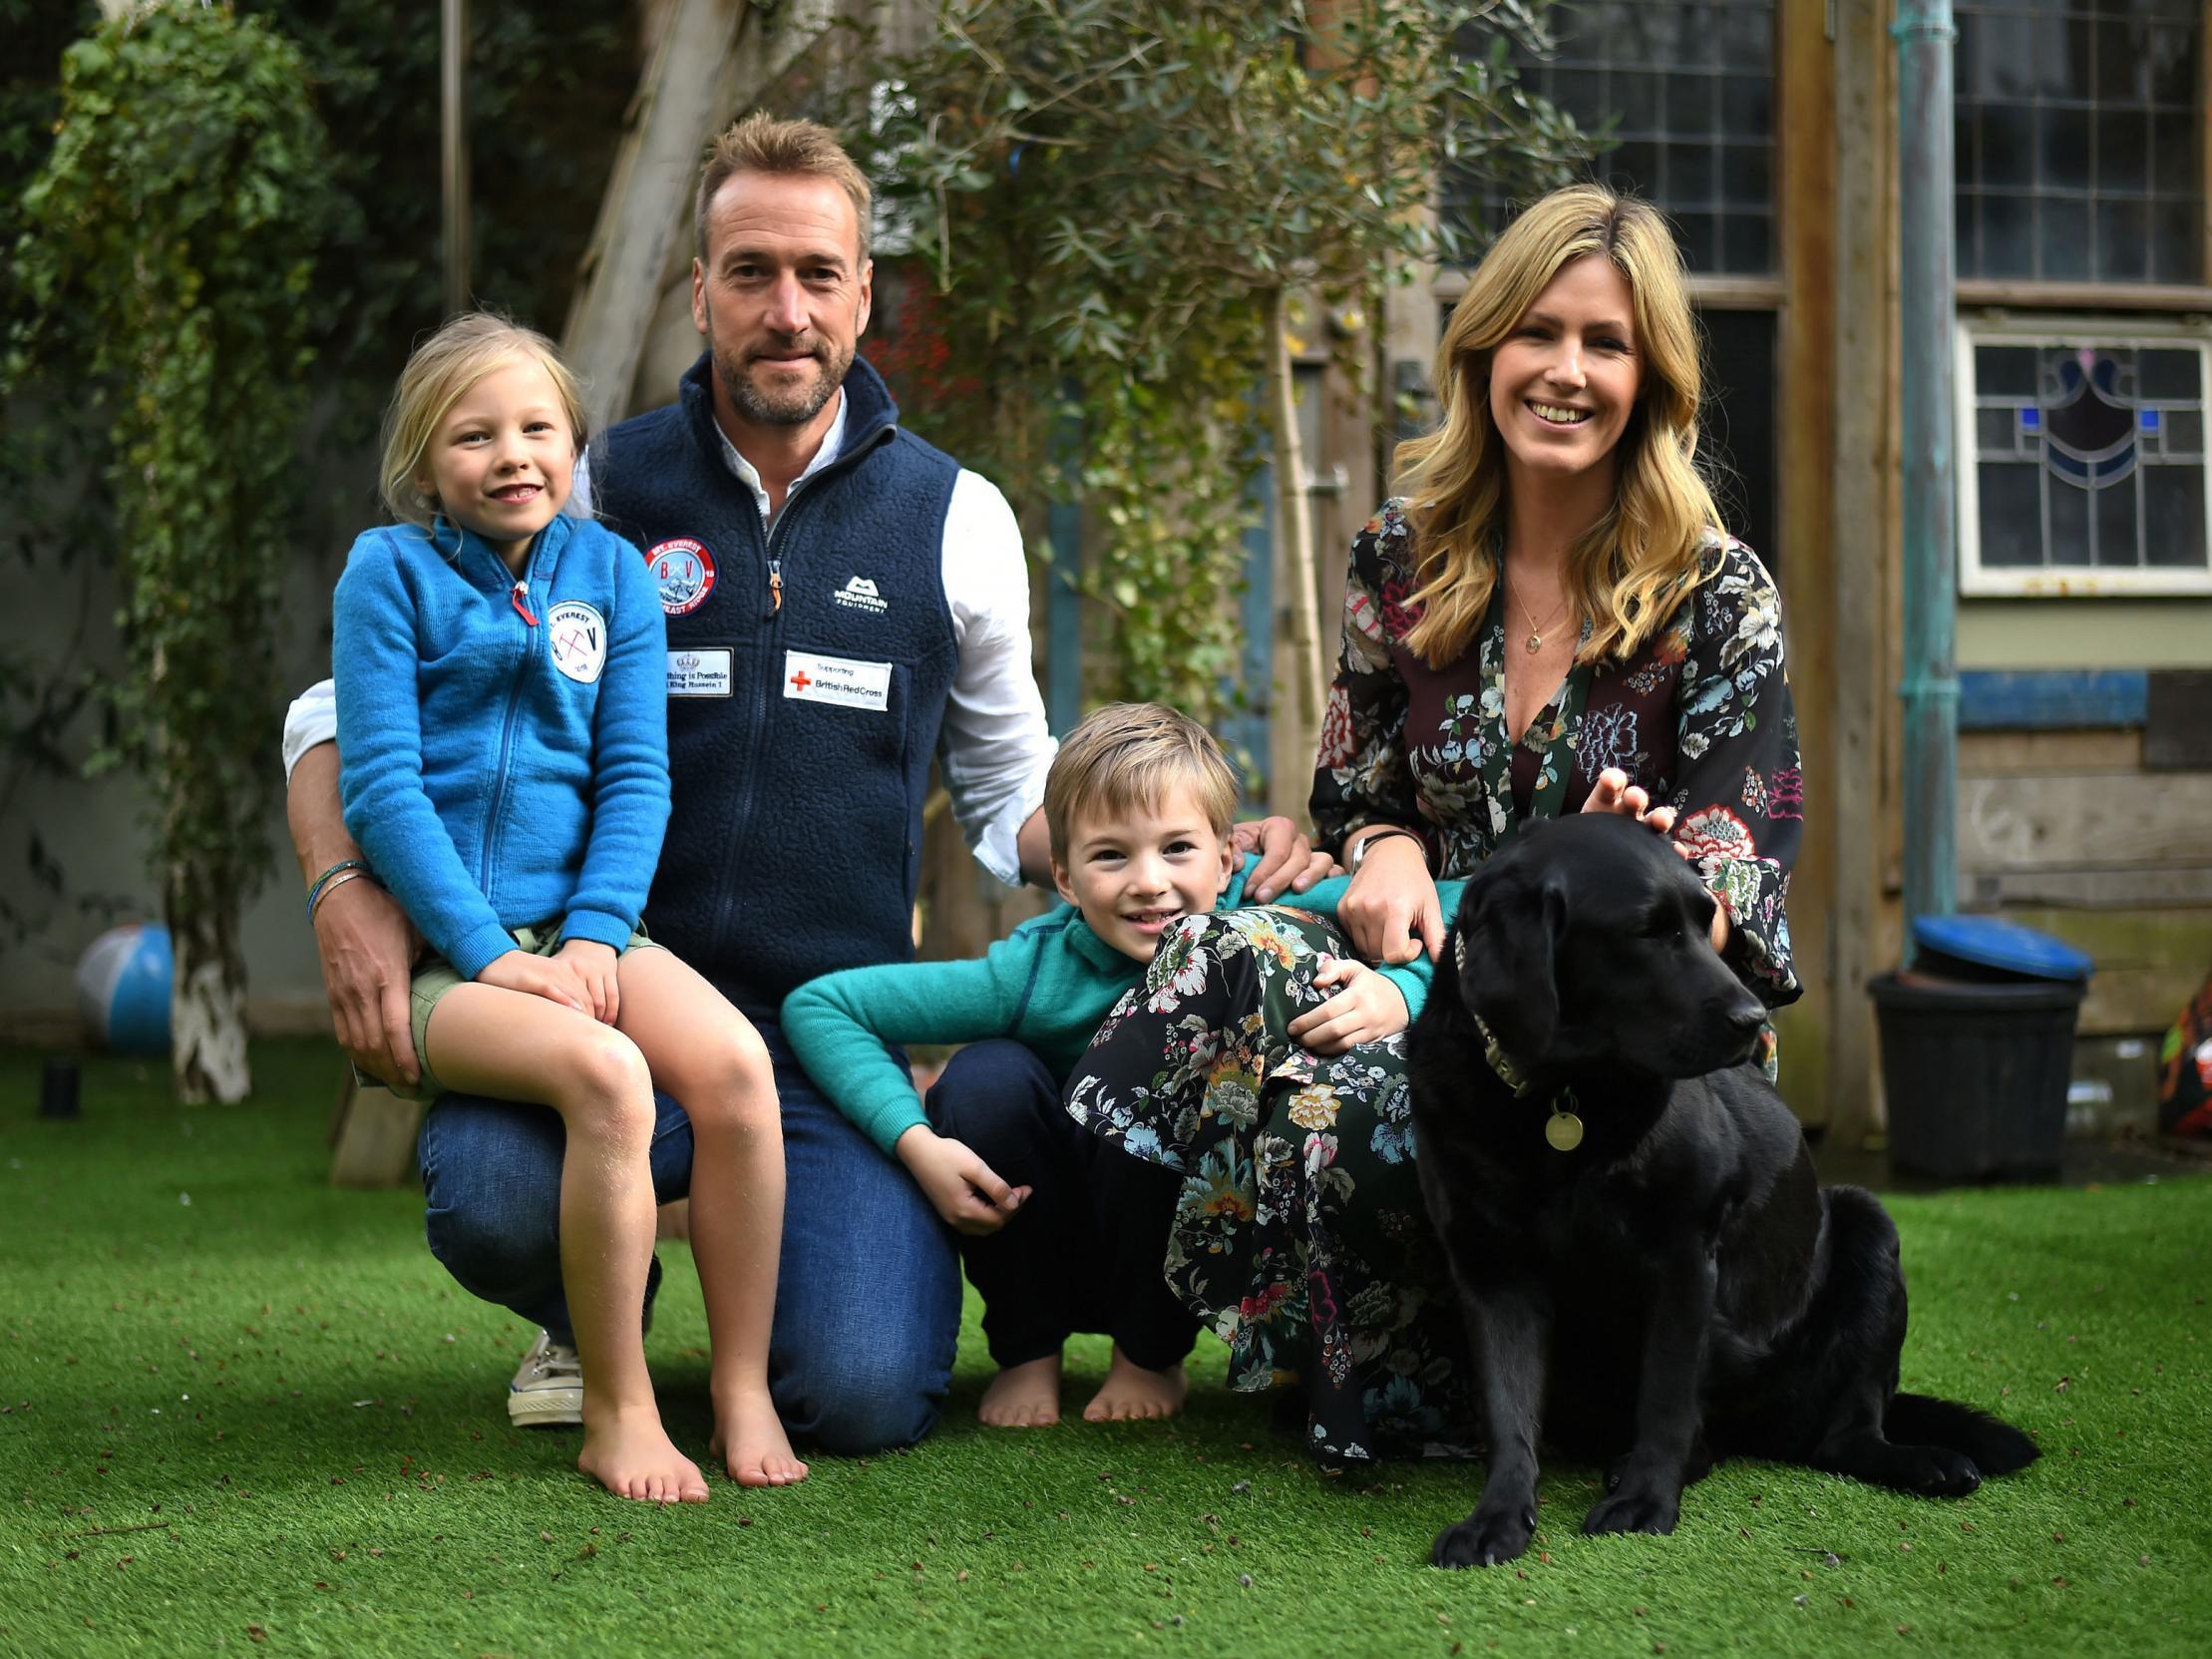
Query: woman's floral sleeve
{"type": "Point", "coordinates": [1740, 801]}
{"type": "Point", "coordinates": [1360, 775]}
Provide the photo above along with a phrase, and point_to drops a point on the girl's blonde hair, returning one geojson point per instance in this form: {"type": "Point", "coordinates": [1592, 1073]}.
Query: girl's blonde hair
{"type": "Point", "coordinates": [442, 369]}
{"type": "Point", "coordinates": [1630, 569]}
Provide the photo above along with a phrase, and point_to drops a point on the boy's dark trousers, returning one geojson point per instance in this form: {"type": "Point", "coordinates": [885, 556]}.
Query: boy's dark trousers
{"type": "Point", "coordinates": [1086, 1250]}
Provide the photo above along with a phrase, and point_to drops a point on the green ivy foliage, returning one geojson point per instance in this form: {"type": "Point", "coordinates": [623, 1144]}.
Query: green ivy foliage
{"type": "Point", "coordinates": [174, 225]}
{"type": "Point", "coordinates": [548, 83]}
{"type": "Point", "coordinates": [1112, 199]}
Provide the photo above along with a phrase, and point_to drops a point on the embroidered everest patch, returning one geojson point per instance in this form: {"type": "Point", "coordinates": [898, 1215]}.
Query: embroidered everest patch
{"type": "Point", "coordinates": [836, 679]}
{"type": "Point", "coordinates": [699, 673]}
{"type": "Point", "coordinates": [684, 571]}
{"type": "Point", "coordinates": [577, 635]}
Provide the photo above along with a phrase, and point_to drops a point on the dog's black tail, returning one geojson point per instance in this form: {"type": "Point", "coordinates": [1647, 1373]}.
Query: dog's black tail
{"type": "Point", "coordinates": [1920, 1419]}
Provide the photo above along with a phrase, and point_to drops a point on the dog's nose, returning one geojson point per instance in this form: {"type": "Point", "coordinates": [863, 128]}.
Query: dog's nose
{"type": "Point", "coordinates": [1747, 1018]}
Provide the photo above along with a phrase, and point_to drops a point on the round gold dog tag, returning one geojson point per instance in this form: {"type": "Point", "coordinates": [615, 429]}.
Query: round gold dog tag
{"type": "Point", "coordinates": [1564, 1130]}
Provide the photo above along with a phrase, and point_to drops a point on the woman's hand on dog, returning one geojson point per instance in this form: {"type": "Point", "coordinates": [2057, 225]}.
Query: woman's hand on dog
{"type": "Point", "coordinates": [1368, 1009]}
{"type": "Point", "coordinates": [965, 1191]}
{"type": "Point", "coordinates": [1613, 792]}
{"type": "Point", "coordinates": [1390, 911]}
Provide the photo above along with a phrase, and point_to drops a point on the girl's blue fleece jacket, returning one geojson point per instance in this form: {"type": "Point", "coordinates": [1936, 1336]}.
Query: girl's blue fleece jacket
{"type": "Point", "coordinates": [503, 744]}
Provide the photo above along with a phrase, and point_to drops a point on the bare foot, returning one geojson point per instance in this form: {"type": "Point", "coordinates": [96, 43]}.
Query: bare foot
{"type": "Point", "coordinates": [1026, 1395]}
{"type": "Point", "coordinates": [1131, 1392]}
{"type": "Point", "coordinates": [630, 1455]}
{"type": "Point", "coordinates": [749, 1438]}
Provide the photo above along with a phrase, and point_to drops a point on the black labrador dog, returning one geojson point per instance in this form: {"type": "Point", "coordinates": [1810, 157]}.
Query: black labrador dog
{"type": "Point", "coordinates": [1649, 1273]}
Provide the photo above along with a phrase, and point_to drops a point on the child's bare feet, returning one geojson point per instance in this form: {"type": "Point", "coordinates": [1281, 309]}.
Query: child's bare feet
{"type": "Point", "coordinates": [1026, 1395]}
{"type": "Point", "coordinates": [630, 1455]}
{"type": "Point", "coordinates": [1131, 1392]}
{"type": "Point", "coordinates": [749, 1438]}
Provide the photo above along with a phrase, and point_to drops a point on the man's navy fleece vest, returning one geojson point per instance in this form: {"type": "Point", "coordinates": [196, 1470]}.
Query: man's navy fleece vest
{"type": "Point", "coordinates": [795, 841]}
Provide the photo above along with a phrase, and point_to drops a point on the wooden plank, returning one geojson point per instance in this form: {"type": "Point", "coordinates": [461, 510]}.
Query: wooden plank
{"type": "Point", "coordinates": [2148, 961]}
{"type": "Point", "coordinates": [2033, 295]}
{"type": "Point", "coordinates": [1862, 549]}
{"type": "Point", "coordinates": [2177, 724]}
{"type": "Point", "coordinates": [2093, 822]}
{"type": "Point", "coordinates": [2087, 889]}
{"type": "Point", "coordinates": [1992, 699]}
{"type": "Point", "coordinates": [2139, 1002]}
{"type": "Point", "coordinates": [1805, 347]}
{"type": "Point", "coordinates": [376, 1140]}
{"type": "Point", "coordinates": [1993, 754]}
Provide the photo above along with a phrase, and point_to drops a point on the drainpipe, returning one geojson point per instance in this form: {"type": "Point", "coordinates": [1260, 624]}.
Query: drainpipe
{"type": "Point", "coordinates": [1929, 691]}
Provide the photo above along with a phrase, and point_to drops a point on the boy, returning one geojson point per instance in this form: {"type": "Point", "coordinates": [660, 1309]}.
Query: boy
{"type": "Point", "coordinates": [1060, 1231]}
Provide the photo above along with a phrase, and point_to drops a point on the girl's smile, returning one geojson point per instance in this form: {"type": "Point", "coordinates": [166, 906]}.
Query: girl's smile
{"type": "Point", "coordinates": [501, 461]}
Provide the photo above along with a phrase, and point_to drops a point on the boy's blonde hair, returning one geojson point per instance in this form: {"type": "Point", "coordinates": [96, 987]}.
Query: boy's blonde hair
{"type": "Point", "coordinates": [1631, 568]}
{"type": "Point", "coordinates": [440, 372]}
{"type": "Point", "coordinates": [1130, 754]}
{"type": "Point", "coordinates": [782, 150]}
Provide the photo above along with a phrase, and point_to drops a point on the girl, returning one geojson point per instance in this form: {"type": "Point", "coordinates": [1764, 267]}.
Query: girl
{"type": "Point", "coordinates": [1551, 620]}
{"type": "Point", "coordinates": [502, 743]}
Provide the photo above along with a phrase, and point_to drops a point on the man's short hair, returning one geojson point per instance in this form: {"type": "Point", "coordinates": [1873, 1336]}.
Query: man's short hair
{"type": "Point", "coordinates": [1131, 755]}
{"type": "Point", "coordinates": [782, 149]}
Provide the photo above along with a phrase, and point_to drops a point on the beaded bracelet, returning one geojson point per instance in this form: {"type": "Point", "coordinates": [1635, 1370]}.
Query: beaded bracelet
{"type": "Point", "coordinates": [335, 875]}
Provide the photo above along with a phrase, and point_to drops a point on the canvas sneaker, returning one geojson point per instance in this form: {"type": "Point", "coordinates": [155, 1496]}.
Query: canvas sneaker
{"type": "Point", "coordinates": [548, 1393]}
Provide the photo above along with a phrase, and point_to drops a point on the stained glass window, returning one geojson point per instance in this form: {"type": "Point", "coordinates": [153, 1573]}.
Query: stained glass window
{"type": "Point", "coordinates": [1693, 85]}
{"type": "Point", "coordinates": [2079, 140]}
{"type": "Point", "coordinates": [2087, 456]}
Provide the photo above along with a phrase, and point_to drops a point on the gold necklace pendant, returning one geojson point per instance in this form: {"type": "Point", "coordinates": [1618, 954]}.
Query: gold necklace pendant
{"type": "Point", "coordinates": [1564, 1130]}
{"type": "Point", "coordinates": [1535, 643]}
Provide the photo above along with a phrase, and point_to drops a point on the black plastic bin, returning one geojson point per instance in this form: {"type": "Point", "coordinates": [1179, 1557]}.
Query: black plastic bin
{"type": "Point", "coordinates": [1978, 1049]}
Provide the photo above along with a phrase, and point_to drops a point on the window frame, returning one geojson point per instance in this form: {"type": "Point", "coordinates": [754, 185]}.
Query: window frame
{"type": "Point", "coordinates": [2045, 330]}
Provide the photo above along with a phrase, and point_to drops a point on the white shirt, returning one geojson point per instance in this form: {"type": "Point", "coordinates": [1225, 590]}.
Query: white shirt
{"type": "Point", "coordinates": [995, 748]}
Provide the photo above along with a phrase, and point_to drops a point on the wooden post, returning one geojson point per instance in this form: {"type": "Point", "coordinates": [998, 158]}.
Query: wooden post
{"type": "Point", "coordinates": [1294, 710]}
{"type": "Point", "coordinates": [453, 133]}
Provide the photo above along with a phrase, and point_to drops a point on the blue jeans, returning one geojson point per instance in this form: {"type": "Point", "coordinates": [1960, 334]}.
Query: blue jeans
{"type": "Point", "coordinates": [868, 1300]}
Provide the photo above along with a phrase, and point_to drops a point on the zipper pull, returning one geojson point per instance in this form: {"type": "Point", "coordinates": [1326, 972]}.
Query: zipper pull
{"type": "Point", "coordinates": [775, 586]}
{"type": "Point", "coordinates": [521, 592]}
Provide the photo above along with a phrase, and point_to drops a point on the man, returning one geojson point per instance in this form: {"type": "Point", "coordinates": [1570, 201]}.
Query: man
{"type": "Point", "coordinates": [843, 603]}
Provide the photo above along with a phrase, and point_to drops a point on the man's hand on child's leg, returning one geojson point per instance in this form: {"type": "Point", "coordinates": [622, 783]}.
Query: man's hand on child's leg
{"type": "Point", "coordinates": [966, 1192]}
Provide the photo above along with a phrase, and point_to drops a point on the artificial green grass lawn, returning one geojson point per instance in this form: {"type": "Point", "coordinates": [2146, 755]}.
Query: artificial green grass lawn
{"type": "Point", "coordinates": [245, 1411]}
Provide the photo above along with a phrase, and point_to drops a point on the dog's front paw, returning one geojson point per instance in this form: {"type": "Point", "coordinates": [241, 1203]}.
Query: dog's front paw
{"type": "Point", "coordinates": [1486, 1539]}
{"type": "Point", "coordinates": [1634, 1507]}
{"type": "Point", "coordinates": [1937, 1472]}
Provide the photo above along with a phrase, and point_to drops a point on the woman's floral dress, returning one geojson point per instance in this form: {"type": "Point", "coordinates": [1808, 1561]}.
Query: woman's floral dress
{"type": "Point", "coordinates": [1300, 1236]}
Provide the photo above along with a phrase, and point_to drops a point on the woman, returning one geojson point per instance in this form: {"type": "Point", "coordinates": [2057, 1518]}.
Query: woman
{"type": "Point", "coordinates": [1555, 569]}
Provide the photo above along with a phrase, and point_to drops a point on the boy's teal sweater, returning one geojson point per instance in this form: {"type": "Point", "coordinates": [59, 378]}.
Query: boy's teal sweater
{"type": "Point", "coordinates": [1048, 985]}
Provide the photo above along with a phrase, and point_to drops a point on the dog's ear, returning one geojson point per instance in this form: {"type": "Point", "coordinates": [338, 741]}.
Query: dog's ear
{"type": "Point", "coordinates": [1511, 924]}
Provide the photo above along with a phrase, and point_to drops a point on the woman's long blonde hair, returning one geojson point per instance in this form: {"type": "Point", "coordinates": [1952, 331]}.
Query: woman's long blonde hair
{"type": "Point", "coordinates": [1630, 569]}
{"type": "Point", "coordinates": [441, 371]}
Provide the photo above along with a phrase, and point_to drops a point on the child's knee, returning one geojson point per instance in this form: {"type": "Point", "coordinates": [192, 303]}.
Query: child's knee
{"type": "Point", "coordinates": [730, 1081]}
{"type": "Point", "coordinates": [604, 1086]}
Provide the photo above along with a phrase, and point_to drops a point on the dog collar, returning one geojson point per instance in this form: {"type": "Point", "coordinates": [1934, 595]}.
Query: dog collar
{"type": "Point", "coordinates": [1563, 1129]}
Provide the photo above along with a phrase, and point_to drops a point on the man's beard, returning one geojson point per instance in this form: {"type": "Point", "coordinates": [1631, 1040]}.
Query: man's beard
{"type": "Point", "coordinates": [793, 407]}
